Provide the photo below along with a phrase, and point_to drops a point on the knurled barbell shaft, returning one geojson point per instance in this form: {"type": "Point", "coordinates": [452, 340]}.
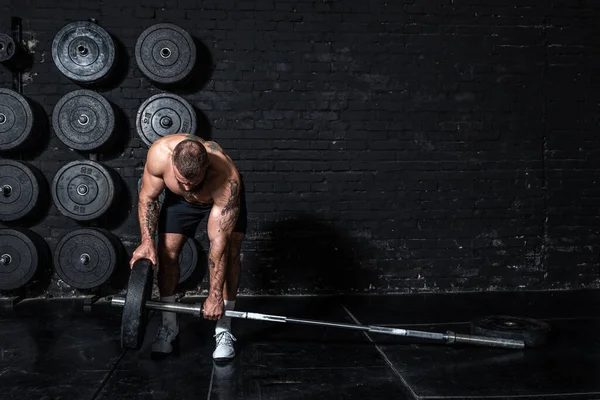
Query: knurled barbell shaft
{"type": "Point", "coordinates": [448, 337]}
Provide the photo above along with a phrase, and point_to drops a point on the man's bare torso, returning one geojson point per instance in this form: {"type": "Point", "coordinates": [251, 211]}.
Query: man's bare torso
{"type": "Point", "coordinates": [221, 169]}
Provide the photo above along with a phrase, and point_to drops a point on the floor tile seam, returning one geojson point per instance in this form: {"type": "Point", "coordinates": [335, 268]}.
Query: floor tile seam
{"type": "Point", "coordinates": [408, 388]}
{"type": "Point", "coordinates": [114, 368]}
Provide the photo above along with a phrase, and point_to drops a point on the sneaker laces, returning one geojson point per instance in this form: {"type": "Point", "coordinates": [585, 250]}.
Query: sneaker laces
{"type": "Point", "coordinates": [224, 338]}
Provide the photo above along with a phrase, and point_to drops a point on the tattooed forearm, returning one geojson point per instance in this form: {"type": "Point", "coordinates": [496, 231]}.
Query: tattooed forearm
{"type": "Point", "coordinates": [216, 267]}
{"type": "Point", "coordinates": [231, 210]}
{"type": "Point", "coordinates": [150, 219]}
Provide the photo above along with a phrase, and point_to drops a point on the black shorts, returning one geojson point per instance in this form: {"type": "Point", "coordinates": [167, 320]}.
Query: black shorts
{"type": "Point", "coordinates": [180, 216]}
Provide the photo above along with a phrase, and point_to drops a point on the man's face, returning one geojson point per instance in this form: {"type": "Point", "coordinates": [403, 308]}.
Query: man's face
{"type": "Point", "coordinates": [188, 185]}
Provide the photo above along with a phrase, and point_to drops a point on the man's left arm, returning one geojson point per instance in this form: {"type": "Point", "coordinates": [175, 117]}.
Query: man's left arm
{"type": "Point", "coordinates": [221, 222]}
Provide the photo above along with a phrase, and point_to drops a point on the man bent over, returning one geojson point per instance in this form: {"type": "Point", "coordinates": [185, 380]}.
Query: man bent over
{"type": "Point", "coordinates": [199, 179]}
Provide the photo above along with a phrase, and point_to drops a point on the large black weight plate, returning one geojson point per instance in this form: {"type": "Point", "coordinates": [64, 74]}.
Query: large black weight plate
{"type": "Point", "coordinates": [83, 190]}
{"type": "Point", "coordinates": [20, 185]}
{"type": "Point", "coordinates": [164, 114]}
{"type": "Point", "coordinates": [85, 258]}
{"type": "Point", "coordinates": [7, 47]}
{"type": "Point", "coordinates": [84, 120]}
{"type": "Point", "coordinates": [188, 259]}
{"type": "Point", "coordinates": [83, 51]}
{"type": "Point", "coordinates": [16, 120]}
{"type": "Point", "coordinates": [135, 314]}
{"type": "Point", "coordinates": [531, 331]}
{"type": "Point", "coordinates": [165, 53]}
{"type": "Point", "coordinates": [19, 257]}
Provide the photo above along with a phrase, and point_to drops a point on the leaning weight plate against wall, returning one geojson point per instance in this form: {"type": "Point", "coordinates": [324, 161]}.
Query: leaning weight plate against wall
{"type": "Point", "coordinates": [165, 53]}
{"type": "Point", "coordinates": [85, 190]}
{"type": "Point", "coordinates": [21, 253]}
{"type": "Point", "coordinates": [84, 120]}
{"type": "Point", "coordinates": [164, 114]}
{"type": "Point", "coordinates": [84, 52]}
{"type": "Point", "coordinates": [22, 190]}
{"type": "Point", "coordinates": [17, 121]}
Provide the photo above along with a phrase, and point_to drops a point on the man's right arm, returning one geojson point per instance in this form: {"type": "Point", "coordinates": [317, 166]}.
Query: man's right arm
{"type": "Point", "coordinates": [148, 205]}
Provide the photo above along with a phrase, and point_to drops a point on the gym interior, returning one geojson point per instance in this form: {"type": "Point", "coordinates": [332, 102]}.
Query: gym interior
{"type": "Point", "coordinates": [420, 176]}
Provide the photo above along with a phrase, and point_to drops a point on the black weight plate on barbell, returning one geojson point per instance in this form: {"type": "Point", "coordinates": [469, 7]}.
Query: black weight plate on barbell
{"type": "Point", "coordinates": [164, 114]}
{"type": "Point", "coordinates": [83, 51]}
{"type": "Point", "coordinates": [7, 47]}
{"type": "Point", "coordinates": [20, 255]}
{"type": "Point", "coordinates": [16, 120]}
{"type": "Point", "coordinates": [165, 53]}
{"type": "Point", "coordinates": [20, 190]}
{"type": "Point", "coordinates": [135, 313]}
{"type": "Point", "coordinates": [188, 259]}
{"type": "Point", "coordinates": [85, 258]}
{"type": "Point", "coordinates": [533, 332]}
{"type": "Point", "coordinates": [84, 190]}
{"type": "Point", "coordinates": [84, 120]}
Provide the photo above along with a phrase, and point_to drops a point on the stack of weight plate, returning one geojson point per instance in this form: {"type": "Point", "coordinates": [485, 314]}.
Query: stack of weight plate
{"type": "Point", "coordinates": [23, 188]}
{"type": "Point", "coordinates": [21, 122]}
{"type": "Point", "coordinates": [85, 121]}
{"type": "Point", "coordinates": [166, 54]}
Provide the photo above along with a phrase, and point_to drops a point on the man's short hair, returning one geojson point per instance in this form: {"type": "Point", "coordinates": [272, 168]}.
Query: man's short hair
{"type": "Point", "coordinates": [190, 158]}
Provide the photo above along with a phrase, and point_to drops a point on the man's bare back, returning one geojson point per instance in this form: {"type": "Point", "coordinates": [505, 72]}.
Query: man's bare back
{"type": "Point", "coordinates": [214, 185]}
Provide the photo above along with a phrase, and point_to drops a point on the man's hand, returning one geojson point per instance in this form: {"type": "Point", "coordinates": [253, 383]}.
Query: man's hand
{"type": "Point", "coordinates": [144, 250]}
{"type": "Point", "coordinates": [214, 307]}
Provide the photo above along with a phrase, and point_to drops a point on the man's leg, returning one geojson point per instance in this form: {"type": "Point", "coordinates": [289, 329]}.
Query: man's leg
{"type": "Point", "coordinates": [169, 247]}
{"type": "Point", "coordinates": [224, 349]}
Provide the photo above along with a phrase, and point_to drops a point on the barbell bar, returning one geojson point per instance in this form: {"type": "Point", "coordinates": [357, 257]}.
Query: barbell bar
{"type": "Point", "coordinates": [137, 302]}
{"type": "Point", "coordinates": [448, 337]}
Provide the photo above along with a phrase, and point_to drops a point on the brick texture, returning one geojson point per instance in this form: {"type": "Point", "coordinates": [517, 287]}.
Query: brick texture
{"type": "Point", "coordinates": [387, 146]}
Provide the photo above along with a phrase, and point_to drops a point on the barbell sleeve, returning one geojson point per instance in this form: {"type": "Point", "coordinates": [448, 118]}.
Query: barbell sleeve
{"type": "Point", "coordinates": [448, 337]}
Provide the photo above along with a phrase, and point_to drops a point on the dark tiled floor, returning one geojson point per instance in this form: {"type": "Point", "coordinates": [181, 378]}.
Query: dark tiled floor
{"type": "Point", "coordinates": [51, 349]}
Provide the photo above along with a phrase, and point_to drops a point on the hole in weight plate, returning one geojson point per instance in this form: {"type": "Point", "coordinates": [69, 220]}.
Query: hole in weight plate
{"type": "Point", "coordinates": [6, 190]}
{"type": "Point", "coordinates": [165, 52]}
{"type": "Point", "coordinates": [83, 119]}
{"type": "Point", "coordinates": [5, 259]}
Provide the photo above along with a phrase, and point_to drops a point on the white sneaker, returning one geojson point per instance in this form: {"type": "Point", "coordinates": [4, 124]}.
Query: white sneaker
{"type": "Point", "coordinates": [224, 349]}
{"type": "Point", "coordinates": [163, 341]}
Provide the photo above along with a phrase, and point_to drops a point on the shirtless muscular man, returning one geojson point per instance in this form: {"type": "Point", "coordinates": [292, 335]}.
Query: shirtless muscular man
{"type": "Point", "coordinates": [199, 179]}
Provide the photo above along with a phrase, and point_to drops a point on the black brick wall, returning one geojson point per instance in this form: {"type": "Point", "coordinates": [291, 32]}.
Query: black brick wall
{"type": "Point", "coordinates": [387, 146]}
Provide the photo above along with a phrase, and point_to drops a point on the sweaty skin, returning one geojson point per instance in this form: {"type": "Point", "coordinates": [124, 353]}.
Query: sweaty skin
{"type": "Point", "coordinates": [219, 186]}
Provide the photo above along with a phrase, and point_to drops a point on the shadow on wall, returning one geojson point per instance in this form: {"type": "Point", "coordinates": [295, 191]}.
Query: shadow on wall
{"type": "Point", "coordinates": [308, 255]}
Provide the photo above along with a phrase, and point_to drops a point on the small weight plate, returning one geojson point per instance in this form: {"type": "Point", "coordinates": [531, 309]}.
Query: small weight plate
{"type": "Point", "coordinates": [85, 258]}
{"type": "Point", "coordinates": [188, 259]}
{"type": "Point", "coordinates": [164, 114]}
{"type": "Point", "coordinates": [165, 53]}
{"type": "Point", "coordinates": [135, 313]}
{"type": "Point", "coordinates": [531, 331]}
{"type": "Point", "coordinates": [83, 120]}
{"type": "Point", "coordinates": [19, 257]}
{"type": "Point", "coordinates": [7, 47]}
{"type": "Point", "coordinates": [83, 51]}
{"type": "Point", "coordinates": [20, 187]}
{"type": "Point", "coordinates": [16, 120]}
{"type": "Point", "coordinates": [83, 190]}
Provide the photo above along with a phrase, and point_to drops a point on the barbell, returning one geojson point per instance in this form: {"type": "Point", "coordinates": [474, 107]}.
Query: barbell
{"type": "Point", "coordinates": [137, 302]}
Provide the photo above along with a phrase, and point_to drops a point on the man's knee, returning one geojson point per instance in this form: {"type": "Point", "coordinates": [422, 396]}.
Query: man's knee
{"type": "Point", "coordinates": [168, 256]}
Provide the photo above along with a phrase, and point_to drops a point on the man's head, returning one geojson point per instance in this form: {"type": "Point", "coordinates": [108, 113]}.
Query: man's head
{"type": "Point", "coordinates": [190, 162]}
